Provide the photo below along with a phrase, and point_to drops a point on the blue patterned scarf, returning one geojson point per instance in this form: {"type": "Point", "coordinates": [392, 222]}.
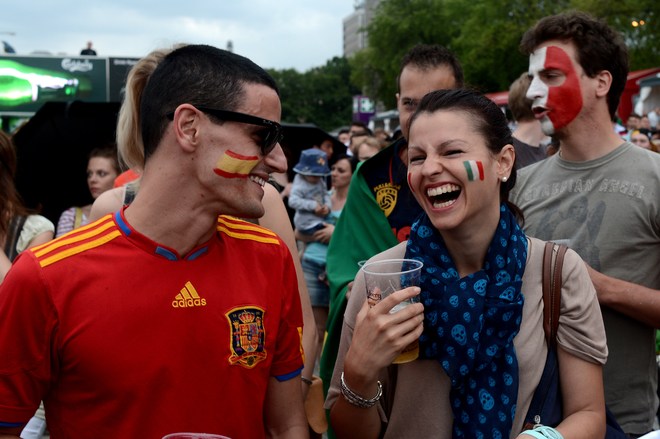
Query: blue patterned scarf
{"type": "Point", "coordinates": [470, 324]}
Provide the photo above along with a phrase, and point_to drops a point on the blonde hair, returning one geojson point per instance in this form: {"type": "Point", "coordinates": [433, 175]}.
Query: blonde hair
{"type": "Point", "coordinates": [129, 135]}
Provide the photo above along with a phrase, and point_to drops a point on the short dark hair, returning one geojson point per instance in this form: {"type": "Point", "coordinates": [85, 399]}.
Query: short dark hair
{"type": "Point", "coordinates": [201, 75]}
{"type": "Point", "coordinates": [519, 104]}
{"type": "Point", "coordinates": [428, 57]}
{"type": "Point", "coordinates": [489, 121]}
{"type": "Point", "coordinates": [599, 47]}
{"type": "Point", "coordinates": [108, 151]}
{"type": "Point", "coordinates": [352, 160]}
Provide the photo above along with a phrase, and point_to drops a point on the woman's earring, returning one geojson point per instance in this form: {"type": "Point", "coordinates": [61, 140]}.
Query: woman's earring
{"type": "Point", "coordinates": [504, 179]}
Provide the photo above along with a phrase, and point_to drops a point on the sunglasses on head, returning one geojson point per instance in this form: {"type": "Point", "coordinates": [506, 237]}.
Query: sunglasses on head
{"type": "Point", "coordinates": [271, 136]}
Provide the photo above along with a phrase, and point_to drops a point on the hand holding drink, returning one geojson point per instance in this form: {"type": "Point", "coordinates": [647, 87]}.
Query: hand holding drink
{"type": "Point", "coordinates": [383, 278]}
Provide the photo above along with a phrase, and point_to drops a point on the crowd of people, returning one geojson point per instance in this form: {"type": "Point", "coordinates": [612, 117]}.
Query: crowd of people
{"type": "Point", "coordinates": [187, 300]}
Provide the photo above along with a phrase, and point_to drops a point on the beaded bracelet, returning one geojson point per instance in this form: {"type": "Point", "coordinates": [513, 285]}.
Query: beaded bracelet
{"type": "Point", "coordinates": [544, 432]}
{"type": "Point", "coordinates": [355, 399]}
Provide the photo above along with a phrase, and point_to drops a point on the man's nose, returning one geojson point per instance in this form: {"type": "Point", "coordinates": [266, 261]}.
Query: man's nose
{"type": "Point", "coordinates": [276, 159]}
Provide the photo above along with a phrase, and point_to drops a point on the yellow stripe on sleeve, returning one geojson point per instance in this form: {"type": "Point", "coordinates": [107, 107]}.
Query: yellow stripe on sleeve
{"type": "Point", "coordinates": [54, 245]}
{"type": "Point", "coordinates": [244, 225]}
{"type": "Point", "coordinates": [79, 249]}
{"type": "Point", "coordinates": [248, 236]}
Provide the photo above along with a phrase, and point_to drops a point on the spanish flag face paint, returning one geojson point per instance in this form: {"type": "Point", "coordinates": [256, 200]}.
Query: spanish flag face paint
{"type": "Point", "coordinates": [475, 169]}
{"type": "Point", "coordinates": [232, 165]}
{"type": "Point", "coordinates": [555, 86]}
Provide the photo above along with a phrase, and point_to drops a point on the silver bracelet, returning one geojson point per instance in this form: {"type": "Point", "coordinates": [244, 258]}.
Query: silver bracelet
{"type": "Point", "coordinates": [355, 399]}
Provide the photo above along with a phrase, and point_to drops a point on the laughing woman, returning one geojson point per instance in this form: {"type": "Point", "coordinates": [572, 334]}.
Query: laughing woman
{"type": "Point", "coordinates": [479, 323]}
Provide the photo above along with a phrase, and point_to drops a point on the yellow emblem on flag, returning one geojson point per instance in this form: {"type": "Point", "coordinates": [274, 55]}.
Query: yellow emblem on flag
{"type": "Point", "coordinates": [386, 197]}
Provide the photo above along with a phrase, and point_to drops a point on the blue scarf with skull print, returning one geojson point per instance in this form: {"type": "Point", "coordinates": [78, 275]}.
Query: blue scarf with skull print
{"type": "Point", "coordinates": [470, 324]}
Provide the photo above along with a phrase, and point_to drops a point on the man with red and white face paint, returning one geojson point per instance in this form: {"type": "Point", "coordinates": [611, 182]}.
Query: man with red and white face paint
{"type": "Point", "coordinates": [555, 88]}
{"type": "Point", "coordinates": [579, 66]}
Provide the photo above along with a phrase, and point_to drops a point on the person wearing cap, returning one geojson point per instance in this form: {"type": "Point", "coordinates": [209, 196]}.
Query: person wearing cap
{"type": "Point", "coordinates": [309, 194]}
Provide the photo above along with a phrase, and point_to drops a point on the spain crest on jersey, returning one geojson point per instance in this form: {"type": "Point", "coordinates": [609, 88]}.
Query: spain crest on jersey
{"type": "Point", "coordinates": [248, 336]}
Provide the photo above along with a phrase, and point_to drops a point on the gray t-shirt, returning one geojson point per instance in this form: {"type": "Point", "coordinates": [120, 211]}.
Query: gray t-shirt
{"type": "Point", "coordinates": [527, 154]}
{"type": "Point", "coordinates": [608, 211]}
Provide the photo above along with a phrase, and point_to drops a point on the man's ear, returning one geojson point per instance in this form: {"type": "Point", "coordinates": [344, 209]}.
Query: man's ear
{"type": "Point", "coordinates": [505, 161]}
{"type": "Point", "coordinates": [603, 83]}
{"type": "Point", "coordinates": [187, 126]}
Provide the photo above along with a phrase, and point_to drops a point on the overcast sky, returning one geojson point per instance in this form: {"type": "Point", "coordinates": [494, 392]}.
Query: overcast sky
{"type": "Point", "coordinates": [298, 34]}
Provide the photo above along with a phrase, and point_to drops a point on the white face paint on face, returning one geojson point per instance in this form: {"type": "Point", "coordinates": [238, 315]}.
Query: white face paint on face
{"type": "Point", "coordinates": [539, 88]}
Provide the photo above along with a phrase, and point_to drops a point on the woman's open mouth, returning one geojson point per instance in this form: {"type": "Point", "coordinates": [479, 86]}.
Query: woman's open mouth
{"type": "Point", "coordinates": [443, 196]}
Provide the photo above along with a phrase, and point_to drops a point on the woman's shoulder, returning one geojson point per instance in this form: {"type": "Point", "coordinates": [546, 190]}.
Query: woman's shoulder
{"type": "Point", "coordinates": [69, 211]}
{"type": "Point", "coordinates": [39, 224]}
{"type": "Point", "coordinates": [581, 328]}
{"type": "Point", "coordinates": [34, 226]}
{"type": "Point", "coordinates": [536, 250]}
{"type": "Point", "coordinates": [396, 252]}
{"type": "Point", "coordinates": [109, 201]}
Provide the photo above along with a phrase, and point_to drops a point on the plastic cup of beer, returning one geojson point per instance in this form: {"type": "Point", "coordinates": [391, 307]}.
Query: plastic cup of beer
{"type": "Point", "coordinates": [382, 278]}
{"type": "Point", "coordinates": [194, 436]}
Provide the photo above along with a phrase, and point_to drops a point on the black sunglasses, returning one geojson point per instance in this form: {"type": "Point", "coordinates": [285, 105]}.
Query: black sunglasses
{"type": "Point", "coordinates": [271, 136]}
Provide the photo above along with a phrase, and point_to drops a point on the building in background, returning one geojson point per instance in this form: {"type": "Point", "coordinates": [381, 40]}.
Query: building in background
{"type": "Point", "coordinates": [355, 25]}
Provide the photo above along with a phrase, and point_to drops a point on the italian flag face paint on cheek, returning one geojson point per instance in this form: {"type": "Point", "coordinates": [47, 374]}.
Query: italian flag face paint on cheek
{"type": "Point", "coordinates": [565, 100]}
{"type": "Point", "coordinates": [475, 170]}
{"type": "Point", "coordinates": [232, 165]}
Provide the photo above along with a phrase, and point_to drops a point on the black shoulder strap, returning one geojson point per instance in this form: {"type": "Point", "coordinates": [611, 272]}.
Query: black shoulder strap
{"type": "Point", "coordinates": [14, 232]}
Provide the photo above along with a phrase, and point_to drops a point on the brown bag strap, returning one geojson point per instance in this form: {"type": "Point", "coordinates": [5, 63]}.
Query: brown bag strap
{"type": "Point", "coordinates": [553, 261]}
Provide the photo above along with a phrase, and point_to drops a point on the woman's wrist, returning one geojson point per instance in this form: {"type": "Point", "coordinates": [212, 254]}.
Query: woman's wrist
{"type": "Point", "coordinates": [357, 399]}
{"type": "Point", "coordinates": [543, 432]}
{"type": "Point", "coordinates": [360, 379]}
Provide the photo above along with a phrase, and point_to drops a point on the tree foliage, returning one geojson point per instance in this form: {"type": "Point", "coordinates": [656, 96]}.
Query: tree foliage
{"type": "Point", "coordinates": [322, 95]}
{"type": "Point", "coordinates": [485, 35]}
{"type": "Point", "coordinates": [398, 25]}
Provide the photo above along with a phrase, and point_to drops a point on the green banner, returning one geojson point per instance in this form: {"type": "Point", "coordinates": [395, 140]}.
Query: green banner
{"type": "Point", "coordinates": [26, 82]}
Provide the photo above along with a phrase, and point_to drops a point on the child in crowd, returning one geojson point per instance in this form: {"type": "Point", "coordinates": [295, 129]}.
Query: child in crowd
{"type": "Point", "coordinates": [309, 193]}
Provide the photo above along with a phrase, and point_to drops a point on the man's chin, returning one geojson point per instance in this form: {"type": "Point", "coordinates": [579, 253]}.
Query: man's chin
{"type": "Point", "coordinates": [253, 213]}
{"type": "Point", "coordinates": [547, 127]}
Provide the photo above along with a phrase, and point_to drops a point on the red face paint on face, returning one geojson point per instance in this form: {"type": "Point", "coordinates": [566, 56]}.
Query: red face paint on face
{"type": "Point", "coordinates": [565, 99]}
{"type": "Point", "coordinates": [410, 184]}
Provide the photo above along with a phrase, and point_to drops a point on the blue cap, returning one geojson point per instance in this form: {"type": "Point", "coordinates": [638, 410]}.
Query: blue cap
{"type": "Point", "coordinates": [313, 162]}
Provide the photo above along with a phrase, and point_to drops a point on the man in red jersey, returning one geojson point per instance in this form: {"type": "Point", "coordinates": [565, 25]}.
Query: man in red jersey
{"type": "Point", "coordinates": [171, 315]}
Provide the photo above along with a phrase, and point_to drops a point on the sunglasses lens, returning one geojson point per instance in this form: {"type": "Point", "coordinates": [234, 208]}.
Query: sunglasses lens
{"type": "Point", "coordinates": [273, 136]}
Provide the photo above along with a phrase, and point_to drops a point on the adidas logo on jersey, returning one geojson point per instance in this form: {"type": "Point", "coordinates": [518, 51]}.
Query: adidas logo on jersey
{"type": "Point", "coordinates": [188, 297]}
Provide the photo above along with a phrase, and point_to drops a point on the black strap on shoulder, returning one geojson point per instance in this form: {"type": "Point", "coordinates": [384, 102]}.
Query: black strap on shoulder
{"type": "Point", "coordinates": [14, 232]}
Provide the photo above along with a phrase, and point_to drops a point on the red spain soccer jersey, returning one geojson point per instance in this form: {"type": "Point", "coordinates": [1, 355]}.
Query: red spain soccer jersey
{"type": "Point", "coordinates": [123, 338]}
